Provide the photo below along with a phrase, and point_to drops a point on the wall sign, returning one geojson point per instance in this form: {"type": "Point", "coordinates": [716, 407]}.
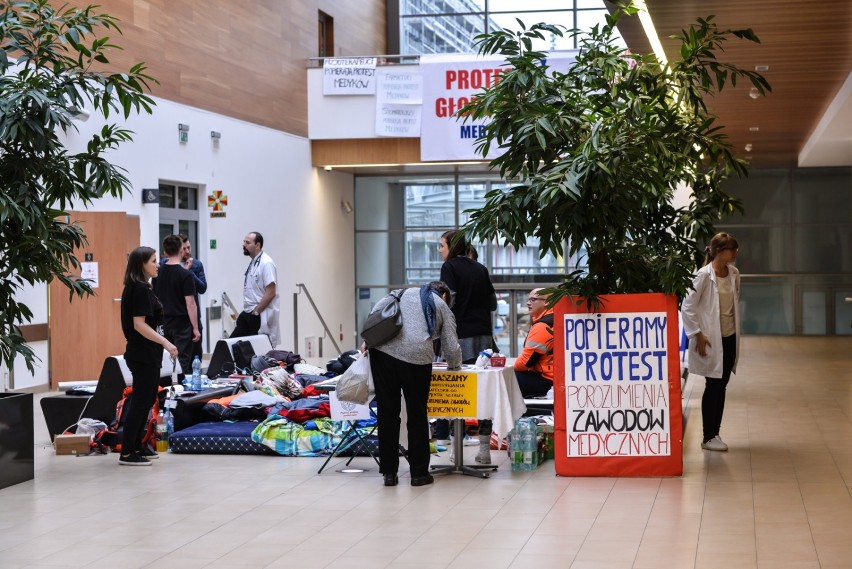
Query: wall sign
{"type": "Point", "coordinates": [217, 202]}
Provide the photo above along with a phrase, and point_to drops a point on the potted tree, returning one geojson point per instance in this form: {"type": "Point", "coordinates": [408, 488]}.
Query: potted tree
{"type": "Point", "coordinates": [599, 151]}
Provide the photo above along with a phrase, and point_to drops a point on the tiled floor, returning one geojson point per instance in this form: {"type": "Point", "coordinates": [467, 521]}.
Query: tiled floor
{"type": "Point", "coordinates": [780, 498]}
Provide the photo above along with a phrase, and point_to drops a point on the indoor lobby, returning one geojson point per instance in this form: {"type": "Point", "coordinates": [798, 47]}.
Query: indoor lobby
{"type": "Point", "coordinates": [779, 498]}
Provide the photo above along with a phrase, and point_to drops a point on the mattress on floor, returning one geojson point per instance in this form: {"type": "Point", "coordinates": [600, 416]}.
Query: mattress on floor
{"type": "Point", "coordinates": [218, 438]}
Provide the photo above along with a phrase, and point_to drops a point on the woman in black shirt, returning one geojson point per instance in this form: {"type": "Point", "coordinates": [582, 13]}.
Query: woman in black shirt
{"type": "Point", "coordinates": [474, 300]}
{"type": "Point", "coordinates": [141, 322]}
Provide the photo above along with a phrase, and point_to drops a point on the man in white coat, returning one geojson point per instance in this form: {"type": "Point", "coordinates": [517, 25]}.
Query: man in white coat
{"type": "Point", "coordinates": [260, 293]}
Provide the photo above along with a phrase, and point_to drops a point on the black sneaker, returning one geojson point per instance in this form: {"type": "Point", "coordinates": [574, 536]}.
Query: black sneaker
{"type": "Point", "coordinates": [423, 480]}
{"type": "Point", "coordinates": [148, 453]}
{"type": "Point", "coordinates": [133, 460]}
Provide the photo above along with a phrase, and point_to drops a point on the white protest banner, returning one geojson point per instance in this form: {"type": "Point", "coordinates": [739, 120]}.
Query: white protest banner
{"type": "Point", "coordinates": [449, 83]}
{"type": "Point", "coordinates": [401, 121]}
{"type": "Point", "coordinates": [616, 385]}
{"type": "Point", "coordinates": [398, 86]}
{"type": "Point", "coordinates": [349, 76]}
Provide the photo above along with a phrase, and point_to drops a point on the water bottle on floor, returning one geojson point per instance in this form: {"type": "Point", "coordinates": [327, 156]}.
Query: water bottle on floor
{"type": "Point", "coordinates": [528, 445]}
{"type": "Point", "coordinates": [517, 454]}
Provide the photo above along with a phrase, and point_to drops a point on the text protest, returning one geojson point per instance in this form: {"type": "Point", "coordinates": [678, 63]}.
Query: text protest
{"type": "Point", "coordinates": [349, 76]}
{"type": "Point", "coordinates": [452, 394]}
{"type": "Point", "coordinates": [616, 384]}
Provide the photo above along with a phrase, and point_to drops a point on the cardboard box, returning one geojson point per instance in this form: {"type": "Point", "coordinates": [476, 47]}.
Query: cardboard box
{"type": "Point", "coordinates": [498, 361]}
{"type": "Point", "coordinates": [71, 444]}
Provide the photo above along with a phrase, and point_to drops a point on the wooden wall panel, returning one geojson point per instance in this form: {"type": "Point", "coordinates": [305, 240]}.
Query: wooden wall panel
{"type": "Point", "coordinates": [241, 59]}
{"type": "Point", "coordinates": [365, 151]}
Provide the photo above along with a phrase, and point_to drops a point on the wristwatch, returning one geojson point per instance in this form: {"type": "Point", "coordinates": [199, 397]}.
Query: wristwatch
{"type": "Point", "coordinates": [255, 313]}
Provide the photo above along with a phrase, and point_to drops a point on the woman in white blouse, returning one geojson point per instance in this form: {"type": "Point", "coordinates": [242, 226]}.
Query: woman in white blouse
{"type": "Point", "coordinates": [711, 320]}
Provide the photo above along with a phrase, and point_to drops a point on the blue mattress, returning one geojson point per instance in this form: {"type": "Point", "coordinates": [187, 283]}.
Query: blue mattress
{"type": "Point", "coordinates": [218, 438]}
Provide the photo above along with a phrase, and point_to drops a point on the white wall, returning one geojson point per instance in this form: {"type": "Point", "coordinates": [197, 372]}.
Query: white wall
{"type": "Point", "coordinates": [341, 116]}
{"type": "Point", "coordinates": [271, 188]}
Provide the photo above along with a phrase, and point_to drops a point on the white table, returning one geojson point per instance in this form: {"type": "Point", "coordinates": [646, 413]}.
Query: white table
{"type": "Point", "coordinates": [498, 398]}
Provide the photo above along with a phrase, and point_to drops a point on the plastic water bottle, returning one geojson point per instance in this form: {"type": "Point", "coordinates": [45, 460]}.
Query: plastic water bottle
{"type": "Point", "coordinates": [162, 437]}
{"type": "Point", "coordinates": [528, 446]}
{"type": "Point", "coordinates": [515, 447]}
{"type": "Point", "coordinates": [196, 374]}
{"type": "Point", "coordinates": [169, 421]}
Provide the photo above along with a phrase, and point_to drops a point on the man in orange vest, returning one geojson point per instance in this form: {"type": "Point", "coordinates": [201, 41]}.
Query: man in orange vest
{"type": "Point", "coordinates": [534, 366]}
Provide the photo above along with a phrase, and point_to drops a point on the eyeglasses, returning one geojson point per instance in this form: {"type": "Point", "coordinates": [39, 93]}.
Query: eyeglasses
{"type": "Point", "coordinates": [534, 298]}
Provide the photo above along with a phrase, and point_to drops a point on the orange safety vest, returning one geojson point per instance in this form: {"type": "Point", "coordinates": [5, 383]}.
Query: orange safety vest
{"type": "Point", "coordinates": [537, 354]}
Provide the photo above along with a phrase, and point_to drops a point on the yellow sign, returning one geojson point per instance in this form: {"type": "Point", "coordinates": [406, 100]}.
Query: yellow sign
{"type": "Point", "coordinates": [452, 394]}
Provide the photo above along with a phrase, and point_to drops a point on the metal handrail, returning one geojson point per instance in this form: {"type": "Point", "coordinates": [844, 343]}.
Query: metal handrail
{"type": "Point", "coordinates": [328, 332]}
{"type": "Point", "coordinates": [234, 313]}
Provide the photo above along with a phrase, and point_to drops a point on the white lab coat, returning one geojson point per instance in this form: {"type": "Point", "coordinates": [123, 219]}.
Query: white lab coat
{"type": "Point", "coordinates": [700, 312]}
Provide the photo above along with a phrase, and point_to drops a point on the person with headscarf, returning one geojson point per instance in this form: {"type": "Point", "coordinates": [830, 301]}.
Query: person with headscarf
{"type": "Point", "coordinates": [403, 366]}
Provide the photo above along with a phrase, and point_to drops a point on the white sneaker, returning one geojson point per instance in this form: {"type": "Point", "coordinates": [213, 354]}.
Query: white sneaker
{"type": "Point", "coordinates": [715, 443]}
{"type": "Point", "coordinates": [483, 456]}
{"type": "Point", "coordinates": [443, 442]}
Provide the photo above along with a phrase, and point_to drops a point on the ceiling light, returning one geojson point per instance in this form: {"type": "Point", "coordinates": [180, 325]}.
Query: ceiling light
{"type": "Point", "coordinates": [753, 128]}
{"type": "Point", "coordinates": [754, 93]}
{"type": "Point", "coordinates": [761, 68]}
{"type": "Point", "coordinates": [650, 30]}
{"type": "Point", "coordinates": [748, 147]}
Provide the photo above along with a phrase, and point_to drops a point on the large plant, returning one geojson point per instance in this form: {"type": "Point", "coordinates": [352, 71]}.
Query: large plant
{"type": "Point", "coordinates": [46, 78]}
{"type": "Point", "coordinates": [600, 149]}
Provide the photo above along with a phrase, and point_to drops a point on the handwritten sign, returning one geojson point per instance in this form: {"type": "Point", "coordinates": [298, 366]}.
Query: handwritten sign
{"type": "Point", "coordinates": [398, 120]}
{"type": "Point", "coordinates": [398, 87]}
{"type": "Point", "coordinates": [349, 76]}
{"type": "Point", "coordinates": [616, 384]}
{"type": "Point", "coordinates": [452, 394]}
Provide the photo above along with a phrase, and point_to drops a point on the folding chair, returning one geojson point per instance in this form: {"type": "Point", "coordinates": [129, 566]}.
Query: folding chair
{"type": "Point", "coordinates": [347, 436]}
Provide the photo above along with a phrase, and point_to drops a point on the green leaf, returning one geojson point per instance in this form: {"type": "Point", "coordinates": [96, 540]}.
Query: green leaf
{"type": "Point", "coordinates": [40, 178]}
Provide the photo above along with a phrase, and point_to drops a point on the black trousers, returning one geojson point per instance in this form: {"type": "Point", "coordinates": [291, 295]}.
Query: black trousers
{"type": "Point", "coordinates": [181, 337]}
{"type": "Point", "coordinates": [146, 379]}
{"type": "Point", "coordinates": [532, 384]}
{"type": "Point", "coordinates": [713, 400]}
{"type": "Point", "coordinates": [393, 378]}
{"type": "Point", "coordinates": [247, 325]}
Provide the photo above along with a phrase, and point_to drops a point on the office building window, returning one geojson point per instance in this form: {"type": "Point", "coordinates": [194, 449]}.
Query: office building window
{"type": "Point", "coordinates": [450, 26]}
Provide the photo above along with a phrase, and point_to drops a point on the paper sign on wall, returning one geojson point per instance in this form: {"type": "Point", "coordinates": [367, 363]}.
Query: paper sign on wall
{"type": "Point", "coordinates": [398, 87]}
{"type": "Point", "coordinates": [349, 76]}
{"type": "Point", "coordinates": [90, 271]}
{"type": "Point", "coordinates": [401, 121]}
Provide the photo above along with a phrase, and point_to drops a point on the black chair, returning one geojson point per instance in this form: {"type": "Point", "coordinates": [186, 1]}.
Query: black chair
{"type": "Point", "coordinates": [222, 359]}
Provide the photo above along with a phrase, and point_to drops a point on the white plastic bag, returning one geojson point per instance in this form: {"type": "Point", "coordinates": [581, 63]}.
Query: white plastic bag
{"type": "Point", "coordinates": [356, 383]}
{"type": "Point", "coordinates": [90, 427]}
